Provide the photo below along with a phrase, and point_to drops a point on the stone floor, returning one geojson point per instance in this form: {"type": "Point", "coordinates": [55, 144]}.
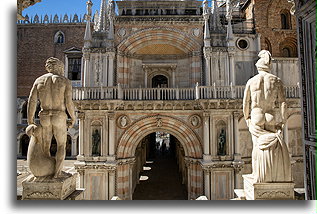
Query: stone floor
{"type": "Point", "coordinates": [160, 180]}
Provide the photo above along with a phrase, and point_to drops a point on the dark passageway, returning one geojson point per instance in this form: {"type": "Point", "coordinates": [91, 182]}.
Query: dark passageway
{"type": "Point", "coordinates": [160, 179]}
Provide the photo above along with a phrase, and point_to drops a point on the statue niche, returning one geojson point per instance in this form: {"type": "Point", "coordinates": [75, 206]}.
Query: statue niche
{"type": "Point", "coordinates": [96, 139]}
{"type": "Point", "coordinates": [221, 138]}
{"type": "Point", "coordinates": [222, 143]}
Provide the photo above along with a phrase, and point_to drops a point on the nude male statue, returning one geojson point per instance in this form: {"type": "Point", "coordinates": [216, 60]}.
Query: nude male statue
{"type": "Point", "coordinates": [54, 91]}
{"type": "Point", "coordinates": [264, 108]}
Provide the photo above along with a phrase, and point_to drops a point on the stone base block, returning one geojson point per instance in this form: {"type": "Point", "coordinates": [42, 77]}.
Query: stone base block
{"type": "Point", "coordinates": [49, 188]}
{"type": "Point", "coordinates": [267, 191]}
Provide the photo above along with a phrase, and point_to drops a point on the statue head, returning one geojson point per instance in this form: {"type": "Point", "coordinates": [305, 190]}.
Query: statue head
{"type": "Point", "coordinates": [54, 66]}
{"type": "Point", "coordinates": [265, 61]}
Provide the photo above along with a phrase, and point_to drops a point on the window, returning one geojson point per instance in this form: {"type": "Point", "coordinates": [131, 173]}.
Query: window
{"type": "Point", "coordinates": [286, 52]}
{"type": "Point", "coordinates": [285, 20]}
{"type": "Point", "coordinates": [242, 44]}
{"type": "Point", "coordinates": [59, 38]}
{"type": "Point", "coordinates": [74, 68]}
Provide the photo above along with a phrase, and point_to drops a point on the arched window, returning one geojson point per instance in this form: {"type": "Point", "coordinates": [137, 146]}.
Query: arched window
{"type": "Point", "coordinates": [285, 20]}
{"type": "Point", "coordinates": [286, 52]}
{"type": "Point", "coordinates": [24, 110]}
{"type": "Point", "coordinates": [267, 45]}
{"type": "Point", "coordinates": [59, 38]}
{"type": "Point", "coordinates": [24, 145]}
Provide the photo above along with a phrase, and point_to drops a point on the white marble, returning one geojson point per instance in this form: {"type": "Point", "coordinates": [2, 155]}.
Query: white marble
{"type": "Point", "coordinates": [270, 156]}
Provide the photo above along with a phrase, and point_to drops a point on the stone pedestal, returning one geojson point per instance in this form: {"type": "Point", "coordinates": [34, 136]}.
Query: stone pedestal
{"type": "Point", "coordinates": [267, 191]}
{"type": "Point", "coordinates": [62, 188]}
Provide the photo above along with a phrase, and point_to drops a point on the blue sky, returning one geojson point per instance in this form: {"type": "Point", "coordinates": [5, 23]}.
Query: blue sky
{"type": "Point", "coordinates": [60, 7]}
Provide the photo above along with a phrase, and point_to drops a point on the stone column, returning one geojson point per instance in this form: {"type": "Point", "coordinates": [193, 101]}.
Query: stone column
{"type": "Point", "coordinates": [86, 70]}
{"type": "Point", "coordinates": [207, 182]}
{"type": "Point", "coordinates": [206, 129]}
{"type": "Point", "coordinates": [112, 129]}
{"type": "Point", "coordinates": [237, 162]}
{"type": "Point", "coordinates": [74, 147]}
{"type": "Point", "coordinates": [145, 77]}
{"type": "Point", "coordinates": [212, 145]}
{"type": "Point", "coordinates": [208, 70]}
{"type": "Point", "coordinates": [105, 139]}
{"type": "Point", "coordinates": [237, 154]}
{"type": "Point", "coordinates": [81, 116]}
{"type": "Point", "coordinates": [232, 76]}
{"type": "Point", "coordinates": [111, 69]}
{"type": "Point", "coordinates": [105, 73]}
{"type": "Point", "coordinates": [112, 182]}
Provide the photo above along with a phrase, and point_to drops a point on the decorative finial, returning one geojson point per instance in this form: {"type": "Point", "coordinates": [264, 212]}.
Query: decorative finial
{"type": "Point", "coordinates": [89, 5]}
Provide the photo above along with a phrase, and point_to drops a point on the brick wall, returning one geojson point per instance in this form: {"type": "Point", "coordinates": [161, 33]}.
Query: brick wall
{"type": "Point", "coordinates": [35, 43]}
{"type": "Point", "coordinates": [267, 17]}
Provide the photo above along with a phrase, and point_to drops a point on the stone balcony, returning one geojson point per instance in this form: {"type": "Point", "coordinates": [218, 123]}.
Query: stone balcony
{"type": "Point", "coordinates": [143, 94]}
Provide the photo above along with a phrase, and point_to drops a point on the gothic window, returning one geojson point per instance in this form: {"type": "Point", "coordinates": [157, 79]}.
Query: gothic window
{"type": "Point", "coordinates": [59, 38]}
{"type": "Point", "coordinates": [286, 52]}
{"type": "Point", "coordinates": [74, 68]}
{"type": "Point", "coordinates": [24, 111]}
{"type": "Point", "coordinates": [267, 45]}
{"type": "Point", "coordinates": [285, 20]}
{"type": "Point", "coordinates": [24, 144]}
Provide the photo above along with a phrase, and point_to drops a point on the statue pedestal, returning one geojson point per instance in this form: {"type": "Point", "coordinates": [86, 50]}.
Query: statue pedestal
{"type": "Point", "coordinates": [62, 188]}
{"type": "Point", "coordinates": [267, 191]}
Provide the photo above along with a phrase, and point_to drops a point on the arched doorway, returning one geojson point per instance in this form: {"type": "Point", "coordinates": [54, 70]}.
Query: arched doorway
{"type": "Point", "coordinates": [24, 143]}
{"type": "Point", "coordinates": [159, 81]}
{"type": "Point", "coordinates": [159, 169]}
{"type": "Point", "coordinates": [129, 142]}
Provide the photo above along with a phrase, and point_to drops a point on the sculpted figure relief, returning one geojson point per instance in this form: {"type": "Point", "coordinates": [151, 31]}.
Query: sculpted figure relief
{"type": "Point", "coordinates": [54, 92]}
{"type": "Point", "coordinates": [264, 108]}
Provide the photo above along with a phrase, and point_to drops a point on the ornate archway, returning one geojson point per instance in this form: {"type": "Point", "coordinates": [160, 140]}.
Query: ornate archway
{"type": "Point", "coordinates": [137, 131]}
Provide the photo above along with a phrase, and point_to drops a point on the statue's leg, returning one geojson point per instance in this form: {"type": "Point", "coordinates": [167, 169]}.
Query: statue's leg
{"type": "Point", "coordinates": [46, 123]}
{"type": "Point", "coordinates": [60, 134]}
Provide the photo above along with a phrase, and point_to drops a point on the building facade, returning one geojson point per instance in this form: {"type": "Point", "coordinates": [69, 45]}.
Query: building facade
{"type": "Point", "coordinates": [176, 67]}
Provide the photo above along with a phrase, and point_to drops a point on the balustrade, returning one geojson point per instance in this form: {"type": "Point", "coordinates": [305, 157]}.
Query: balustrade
{"type": "Point", "coordinates": [198, 92]}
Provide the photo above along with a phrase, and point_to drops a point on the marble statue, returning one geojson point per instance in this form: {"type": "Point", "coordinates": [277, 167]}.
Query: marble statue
{"type": "Point", "coordinates": [96, 143]}
{"type": "Point", "coordinates": [222, 143]}
{"type": "Point", "coordinates": [40, 164]}
{"type": "Point", "coordinates": [264, 108]}
{"type": "Point", "coordinates": [54, 92]}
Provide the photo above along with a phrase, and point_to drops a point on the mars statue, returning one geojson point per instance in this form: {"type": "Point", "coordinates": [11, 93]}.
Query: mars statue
{"type": "Point", "coordinates": [265, 112]}
{"type": "Point", "coordinates": [54, 92]}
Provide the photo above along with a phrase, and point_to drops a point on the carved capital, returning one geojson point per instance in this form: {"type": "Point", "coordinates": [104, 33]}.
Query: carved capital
{"type": "Point", "coordinates": [111, 115]}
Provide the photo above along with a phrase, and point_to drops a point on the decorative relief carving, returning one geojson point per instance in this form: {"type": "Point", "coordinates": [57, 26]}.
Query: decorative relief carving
{"type": "Point", "coordinates": [122, 32]}
{"type": "Point", "coordinates": [123, 121]}
{"type": "Point", "coordinates": [196, 32]}
{"type": "Point", "coordinates": [272, 194]}
{"type": "Point", "coordinates": [195, 121]}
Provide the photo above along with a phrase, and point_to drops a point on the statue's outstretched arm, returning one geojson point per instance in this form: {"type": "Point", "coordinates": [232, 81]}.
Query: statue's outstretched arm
{"type": "Point", "coordinates": [32, 104]}
{"type": "Point", "coordinates": [246, 103]}
{"type": "Point", "coordinates": [69, 103]}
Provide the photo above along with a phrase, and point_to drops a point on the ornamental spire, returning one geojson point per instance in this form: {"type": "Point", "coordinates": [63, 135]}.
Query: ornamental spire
{"type": "Point", "coordinates": [102, 17]}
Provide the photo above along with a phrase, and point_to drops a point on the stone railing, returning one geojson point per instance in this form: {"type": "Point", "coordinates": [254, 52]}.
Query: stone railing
{"type": "Point", "coordinates": [199, 92]}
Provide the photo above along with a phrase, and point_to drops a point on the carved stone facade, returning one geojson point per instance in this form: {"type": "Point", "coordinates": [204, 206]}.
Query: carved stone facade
{"type": "Point", "coordinates": [121, 56]}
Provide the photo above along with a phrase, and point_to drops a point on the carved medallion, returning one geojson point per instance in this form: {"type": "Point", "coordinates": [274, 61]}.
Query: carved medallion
{"type": "Point", "coordinates": [123, 121]}
{"type": "Point", "coordinates": [195, 121]}
{"type": "Point", "coordinates": [196, 32]}
{"type": "Point", "coordinates": [122, 32]}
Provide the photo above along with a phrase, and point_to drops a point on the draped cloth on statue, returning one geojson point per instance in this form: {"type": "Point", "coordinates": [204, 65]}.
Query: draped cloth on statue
{"type": "Point", "coordinates": [270, 157]}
